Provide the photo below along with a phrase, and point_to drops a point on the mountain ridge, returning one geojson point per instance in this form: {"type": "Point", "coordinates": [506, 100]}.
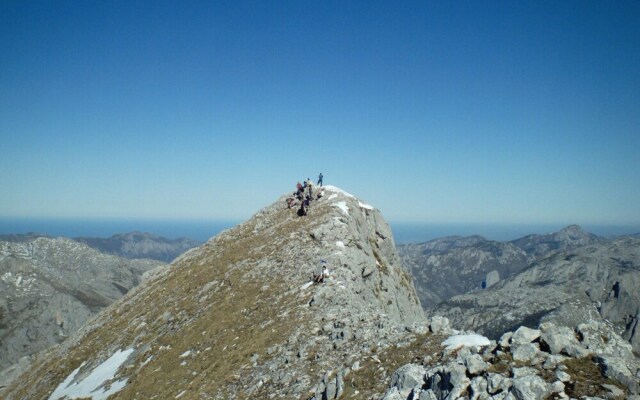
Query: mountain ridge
{"type": "Point", "coordinates": [248, 293]}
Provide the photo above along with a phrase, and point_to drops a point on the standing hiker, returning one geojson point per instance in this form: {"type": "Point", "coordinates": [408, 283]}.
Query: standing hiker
{"type": "Point", "coordinates": [320, 179]}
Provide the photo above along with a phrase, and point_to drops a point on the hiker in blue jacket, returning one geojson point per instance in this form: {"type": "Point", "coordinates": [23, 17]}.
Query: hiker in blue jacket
{"type": "Point", "coordinates": [320, 179]}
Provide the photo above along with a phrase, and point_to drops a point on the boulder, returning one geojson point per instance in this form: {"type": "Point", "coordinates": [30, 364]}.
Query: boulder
{"type": "Point", "coordinates": [558, 338]}
{"type": "Point", "coordinates": [530, 387]}
{"type": "Point", "coordinates": [475, 364]}
{"type": "Point", "coordinates": [525, 352]}
{"type": "Point", "coordinates": [407, 377]}
{"type": "Point", "coordinates": [524, 335]}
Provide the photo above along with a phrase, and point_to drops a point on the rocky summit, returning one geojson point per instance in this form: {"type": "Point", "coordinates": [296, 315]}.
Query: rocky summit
{"type": "Point", "coordinates": [240, 317]}
{"type": "Point", "coordinates": [50, 288]}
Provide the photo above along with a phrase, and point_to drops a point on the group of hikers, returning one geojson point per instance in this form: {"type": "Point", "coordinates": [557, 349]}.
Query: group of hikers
{"type": "Point", "coordinates": [304, 194]}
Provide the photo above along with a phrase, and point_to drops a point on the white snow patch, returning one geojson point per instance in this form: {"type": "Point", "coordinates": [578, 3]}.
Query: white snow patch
{"type": "Point", "coordinates": [457, 341]}
{"type": "Point", "coordinates": [365, 206]}
{"type": "Point", "coordinates": [340, 244]}
{"type": "Point", "coordinates": [335, 189]}
{"type": "Point", "coordinates": [185, 354]}
{"type": "Point", "coordinates": [343, 206]}
{"type": "Point", "coordinates": [306, 286]}
{"type": "Point", "coordinates": [91, 386]}
{"type": "Point", "coordinates": [333, 196]}
{"type": "Point", "coordinates": [180, 394]}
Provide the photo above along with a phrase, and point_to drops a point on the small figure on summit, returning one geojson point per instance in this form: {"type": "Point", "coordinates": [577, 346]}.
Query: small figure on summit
{"type": "Point", "coordinates": [320, 179]}
{"type": "Point", "coordinates": [310, 187]}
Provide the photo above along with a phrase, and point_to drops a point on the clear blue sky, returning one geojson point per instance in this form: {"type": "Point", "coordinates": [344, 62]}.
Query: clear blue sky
{"type": "Point", "coordinates": [461, 112]}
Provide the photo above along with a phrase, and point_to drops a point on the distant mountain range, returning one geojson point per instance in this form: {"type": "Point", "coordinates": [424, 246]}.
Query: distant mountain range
{"type": "Point", "coordinates": [446, 267]}
{"type": "Point", "coordinates": [566, 277]}
{"type": "Point", "coordinates": [130, 245]}
{"type": "Point", "coordinates": [141, 245]}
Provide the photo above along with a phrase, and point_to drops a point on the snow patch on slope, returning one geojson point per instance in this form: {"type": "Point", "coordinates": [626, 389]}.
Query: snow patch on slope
{"type": "Point", "coordinates": [92, 385]}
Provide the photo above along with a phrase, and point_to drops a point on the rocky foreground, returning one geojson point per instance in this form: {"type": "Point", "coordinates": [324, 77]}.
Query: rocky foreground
{"type": "Point", "coordinates": [554, 362]}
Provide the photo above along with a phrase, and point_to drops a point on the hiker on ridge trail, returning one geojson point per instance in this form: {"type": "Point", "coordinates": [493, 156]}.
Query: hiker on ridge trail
{"type": "Point", "coordinates": [320, 179]}
{"type": "Point", "coordinates": [322, 274]}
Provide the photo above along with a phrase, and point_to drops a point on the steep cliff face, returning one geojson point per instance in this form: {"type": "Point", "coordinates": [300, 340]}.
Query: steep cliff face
{"type": "Point", "coordinates": [239, 317]}
{"type": "Point", "coordinates": [50, 287]}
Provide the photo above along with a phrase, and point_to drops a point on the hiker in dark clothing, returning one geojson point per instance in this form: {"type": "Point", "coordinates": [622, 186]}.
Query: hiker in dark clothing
{"type": "Point", "coordinates": [304, 205]}
{"type": "Point", "coordinates": [320, 179]}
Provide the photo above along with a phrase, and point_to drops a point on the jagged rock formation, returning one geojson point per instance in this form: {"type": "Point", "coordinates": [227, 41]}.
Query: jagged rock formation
{"type": "Point", "coordinates": [446, 267]}
{"type": "Point", "coordinates": [240, 318]}
{"type": "Point", "coordinates": [554, 362]}
{"type": "Point", "coordinates": [141, 245]}
{"type": "Point", "coordinates": [50, 287]}
{"type": "Point", "coordinates": [600, 281]}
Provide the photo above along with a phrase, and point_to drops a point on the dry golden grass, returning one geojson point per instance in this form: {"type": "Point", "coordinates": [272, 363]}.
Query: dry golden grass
{"type": "Point", "coordinates": [370, 379]}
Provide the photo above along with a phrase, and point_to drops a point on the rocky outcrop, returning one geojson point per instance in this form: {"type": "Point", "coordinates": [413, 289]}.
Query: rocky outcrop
{"type": "Point", "coordinates": [443, 268]}
{"type": "Point", "coordinates": [593, 362]}
{"type": "Point", "coordinates": [240, 316]}
{"type": "Point", "coordinates": [600, 282]}
{"type": "Point", "coordinates": [50, 287]}
{"type": "Point", "coordinates": [141, 245]}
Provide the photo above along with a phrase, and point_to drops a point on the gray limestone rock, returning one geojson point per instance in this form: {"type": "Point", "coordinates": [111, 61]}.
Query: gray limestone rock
{"type": "Point", "coordinates": [558, 338]}
{"type": "Point", "coordinates": [530, 387]}
{"type": "Point", "coordinates": [620, 370]}
{"type": "Point", "coordinates": [475, 364]}
{"type": "Point", "coordinates": [525, 352]}
{"type": "Point", "coordinates": [407, 377]}
{"type": "Point", "coordinates": [497, 383]}
{"type": "Point", "coordinates": [524, 335]}
{"type": "Point", "coordinates": [492, 278]}
{"type": "Point", "coordinates": [439, 324]}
